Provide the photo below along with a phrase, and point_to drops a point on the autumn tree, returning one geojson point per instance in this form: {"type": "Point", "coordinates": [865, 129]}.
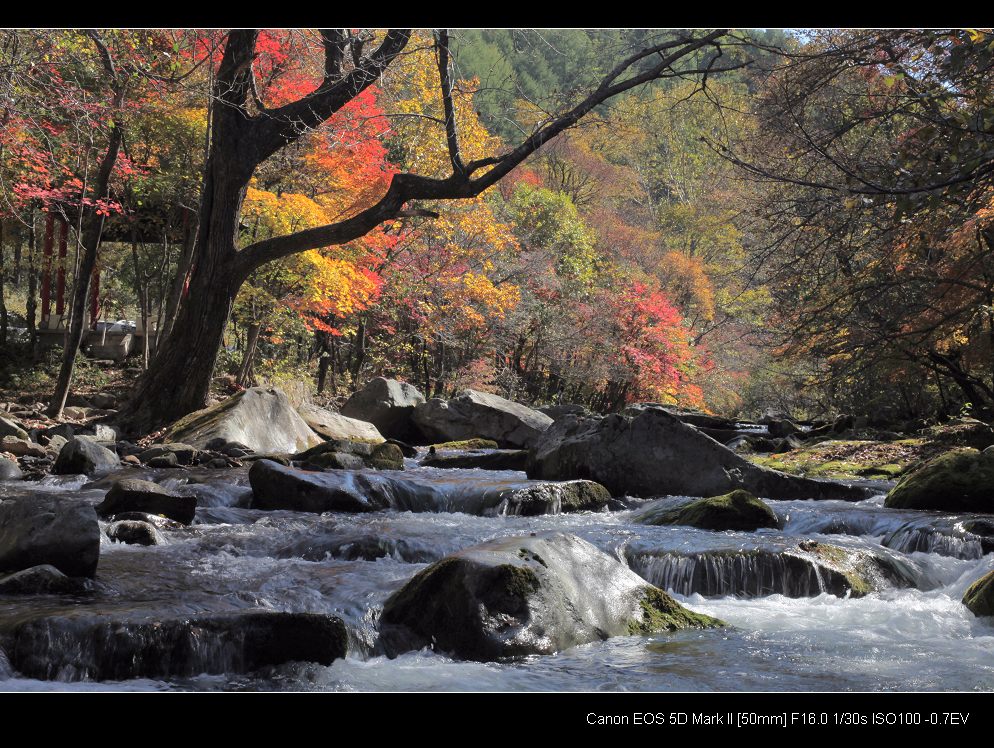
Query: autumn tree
{"type": "Point", "coordinates": [246, 131]}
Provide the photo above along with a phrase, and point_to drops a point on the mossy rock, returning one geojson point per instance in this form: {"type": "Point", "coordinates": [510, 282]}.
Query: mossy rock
{"type": "Point", "coordinates": [979, 598]}
{"type": "Point", "coordinates": [960, 480]}
{"type": "Point", "coordinates": [660, 612]}
{"type": "Point", "coordinates": [526, 595]}
{"type": "Point", "coordinates": [341, 454]}
{"type": "Point", "coordinates": [466, 444]}
{"type": "Point", "coordinates": [738, 510]}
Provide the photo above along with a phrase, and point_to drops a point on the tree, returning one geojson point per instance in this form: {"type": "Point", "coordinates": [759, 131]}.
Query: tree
{"type": "Point", "coordinates": [245, 132]}
{"type": "Point", "coordinates": [877, 163]}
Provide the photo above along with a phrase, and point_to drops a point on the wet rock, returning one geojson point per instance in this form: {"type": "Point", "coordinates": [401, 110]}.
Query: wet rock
{"type": "Point", "coordinates": [979, 598]}
{"type": "Point", "coordinates": [134, 495]}
{"type": "Point", "coordinates": [83, 456]}
{"type": "Point", "coordinates": [102, 648]}
{"type": "Point", "coordinates": [262, 419]}
{"type": "Point", "coordinates": [654, 454]}
{"type": "Point", "coordinates": [10, 428]}
{"type": "Point", "coordinates": [133, 532]}
{"type": "Point", "coordinates": [358, 546]}
{"type": "Point", "coordinates": [480, 414]}
{"type": "Point", "coordinates": [389, 405]}
{"type": "Point", "coordinates": [738, 510]}
{"type": "Point", "coordinates": [164, 461]}
{"type": "Point", "coordinates": [156, 520]}
{"type": "Point", "coordinates": [43, 580]}
{"type": "Point", "coordinates": [807, 570]}
{"type": "Point", "coordinates": [56, 443]}
{"type": "Point", "coordinates": [346, 455]}
{"type": "Point", "coordinates": [9, 470]}
{"type": "Point", "coordinates": [277, 487]}
{"type": "Point", "coordinates": [22, 447]}
{"type": "Point", "coordinates": [336, 426]}
{"type": "Point", "coordinates": [405, 449]}
{"type": "Point", "coordinates": [556, 498]}
{"type": "Point", "coordinates": [502, 459]}
{"type": "Point", "coordinates": [185, 454]}
{"type": "Point", "coordinates": [518, 596]}
{"type": "Point", "coordinates": [60, 532]}
{"type": "Point", "coordinates": [961, 480]}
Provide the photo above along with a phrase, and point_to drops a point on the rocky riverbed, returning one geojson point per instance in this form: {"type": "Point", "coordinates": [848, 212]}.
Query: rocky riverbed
{"type": "Point", "coordinates": [219, 568]}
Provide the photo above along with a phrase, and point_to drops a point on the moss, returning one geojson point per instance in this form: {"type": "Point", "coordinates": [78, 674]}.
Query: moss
{"type": "Point", "coordinates": [738, 510]}
{"type": "Point", "coordinates": [467, 444]}
{"type": "Point", "coordinates": [517, 581]}
{"type": "Point", "coordinates": [528, 555]}
{"type": "Point", "coordinates": [958, 480]}
{"type": "Point", "coordinates": [660, 612]}
{"type": "Point", "coordinates": [847, 459]}
{"type": "Point", "coordinates": [979, 598]}
{"type": "Point", "coordinates": [386, 457]}
{"type": "Point", "coordinates": [842, 562]}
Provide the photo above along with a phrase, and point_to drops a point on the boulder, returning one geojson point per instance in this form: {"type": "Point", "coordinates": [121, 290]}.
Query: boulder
{"type": "Point", "coordinates": [336, 426]}
{"type": "Point", "coordinates": [22, 447]}
{"type": "Point", "coordinates": [82, 456]}
{"type": "Point", "coordinates": [979, 598]}
{"type": "Point", "coordinates": [134, 532]}
{"type": "Point", "coordinates": [500, 459]}
{"type": "Point", "coordinates": [961, 480]}
{"type": "Point", "coordinates": [56, 443]}
{"type": "Point", "coordinates": [387, 404]}
{"type": "Point", "coordinates": [565, 409]}
{"type": "Point", "coordinates": [520, 596]}
{"type": "Point", "coordinates": [185, 454]}
{"type": "Point", "coordinates": [134, 495]}
{"type": "Point", "coordinates": [263, 419]}
{"type": "Point", "coordinates": [654, 453]}
{"type": "Point", "coordinates": [275, 486]}
{"type": "Point", "coordinates": [9, 470]}
{"type": "Point", "coordinates": [738, 510]}
{"type": "Point", "coordinates": [106, 648]}
{"type": "Point", "coordinates": [464, 444]}
{"type": "Point", "coordinates": [339, 454]}
{"type": "Point", "coordinates": [783, 428]}
{"type": "Point", "coordinates": [10, 428]}
{"type": "Point", "coordinates": [168, 460]}
{"type": "Point", "coordinates": [481, 414]}
{"type": "Point", "coordinates": [61, 532]}
{"type": "Point", "coordinates": [42, 580]}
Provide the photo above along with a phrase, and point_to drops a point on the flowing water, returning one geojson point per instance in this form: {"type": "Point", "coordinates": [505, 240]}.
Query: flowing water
{"type": "Point", "coordinates": [792, 626]}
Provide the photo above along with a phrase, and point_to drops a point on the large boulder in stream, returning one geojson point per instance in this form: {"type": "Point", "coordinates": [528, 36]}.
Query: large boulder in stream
{"type": "Point", "coordinates": [738, 510]}
{"type": "Point", "coordinates": [961, 480]}
{"type": "Point", "coordinates": [388, 404]}
{"type": "Point", "coordinates": [481, 414]}
{"type": "Point", "coordinates": [336, 426]}
{"type": "Point", "coordinates": [81, 455]}
{"type": "Point", "coordinates": [979, 598]}
{"type": "Point", "coordinates": [60, 532]}
{"type": "Point", "coordinates": [263, 419]}
{"type": "Point", "coordinates": [653, 453]}
{"type": "Point", "coordinates": [108, 648]}
{"type": "Point", "coordinates": [518, 596]}
{"type": "Point", "coordinates": [134, 495]}
{"type": "Point", "coordinates": [340, 454]}
{"type": "Point", "coordinates": [276, 486]}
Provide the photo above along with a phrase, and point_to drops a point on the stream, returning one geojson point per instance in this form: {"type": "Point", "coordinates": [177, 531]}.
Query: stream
{"type": "Point", "coordinates": [787, 632]}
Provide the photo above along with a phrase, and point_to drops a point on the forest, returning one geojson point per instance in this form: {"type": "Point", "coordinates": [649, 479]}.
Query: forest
{"type": "Point", "coordinates": [497, 359]}
{"type": "Point", "coordinates": [786, 222]}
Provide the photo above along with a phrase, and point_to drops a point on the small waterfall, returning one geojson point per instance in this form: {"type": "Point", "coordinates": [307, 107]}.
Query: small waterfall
{"type": "Point", "coordinates": [746, 574]}
{"type": "Point", "coordinates": [911, 539]}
